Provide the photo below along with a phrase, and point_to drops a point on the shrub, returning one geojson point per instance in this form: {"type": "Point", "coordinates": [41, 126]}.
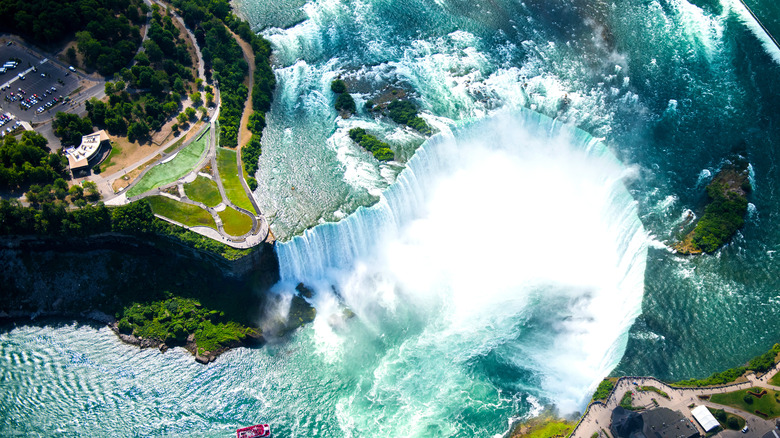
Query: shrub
{"type": "Point", "coordinates": [338, 86]}
{"type": "Point", "coordinates": [124, 326]}
{"type": "Point", "coordinates": [405, 113]}
{"type": "Point", "coordinates": [723, 216]}
{"type": "Point", "coordinates": [748, 399]}
{"type": "Point", "coordinates": [733, 423]}
{"type": "Point", "coordinates": [345, 103]}
{"type": "Point", "coordinates": [603, 390]}
{"type": "Point", "coordinates": [379, 149]}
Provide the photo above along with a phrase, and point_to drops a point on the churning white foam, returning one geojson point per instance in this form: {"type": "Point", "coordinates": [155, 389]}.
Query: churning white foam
{"type": "Point", "coordinates": [512, 240]}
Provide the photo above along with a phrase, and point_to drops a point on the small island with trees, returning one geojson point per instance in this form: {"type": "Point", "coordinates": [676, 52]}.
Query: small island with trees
{"type": "Point", "coordinates": [724, 213]}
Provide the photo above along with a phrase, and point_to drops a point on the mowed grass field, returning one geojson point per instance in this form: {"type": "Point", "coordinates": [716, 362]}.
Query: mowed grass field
{"type": "Point", "coordinates": [169, 172]}
{"type": "Point", "coordinates": [203, 190]}
{"type": "Point", "coordinates": [228, 173]}
{"type": "Point", "coordinates": [767, 406]}
{"type": "Point", "coordinates": [190, 215]}
{"type": "Point", "coordinates": [234, 222]}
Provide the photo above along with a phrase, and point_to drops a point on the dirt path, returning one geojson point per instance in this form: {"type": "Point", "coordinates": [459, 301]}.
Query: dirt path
{"type": "Point", "coordinates": [243, 131]}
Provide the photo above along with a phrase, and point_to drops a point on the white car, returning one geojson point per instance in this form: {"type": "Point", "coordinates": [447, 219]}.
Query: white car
{"type": "Point", "coordinates": [745, 429]}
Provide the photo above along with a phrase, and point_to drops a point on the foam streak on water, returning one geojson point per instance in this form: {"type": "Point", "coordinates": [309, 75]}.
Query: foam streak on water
{"type": "Point", "coordinates": [507, 259]}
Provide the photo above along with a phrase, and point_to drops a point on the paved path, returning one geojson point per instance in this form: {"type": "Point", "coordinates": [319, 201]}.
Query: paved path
{"type": "Point", "coordinates": [260, 229]}
{"type": "Point", "coordinates": [598, 414]}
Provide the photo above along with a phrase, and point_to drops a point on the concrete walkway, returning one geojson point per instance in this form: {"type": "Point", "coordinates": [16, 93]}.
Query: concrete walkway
{"type": "Point", "coordinates": [598, 414]}
{"type": "Point", "coordinates": [260, 229]}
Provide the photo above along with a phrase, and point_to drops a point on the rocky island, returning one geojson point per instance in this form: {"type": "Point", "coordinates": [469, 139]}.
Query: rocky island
{"type": "Point", "coordinates": [724, 213]}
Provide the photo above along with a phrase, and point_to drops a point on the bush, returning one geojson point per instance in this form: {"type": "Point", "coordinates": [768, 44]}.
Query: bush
{"type": "Point", "coordinates": [603, 390]}
{"type": "Point", "coordinates": [252, 183]}
{"type": "Point", "coordinates": [405, 113]}
{"type": "Point", "coordinates": [345, 103]}
{"type": "Point", "coordinates": [723, 216]}
{"type": "Point", "coordinates": [124, 326]}
{"type": "Point", "coordinates": [380, 150]}
{"type": "Point", "coordinates": [338, 86]}
{"type": "Point", "coordinates": [748, 399]}
{"type": "Point", "coordinates": [733, 423]}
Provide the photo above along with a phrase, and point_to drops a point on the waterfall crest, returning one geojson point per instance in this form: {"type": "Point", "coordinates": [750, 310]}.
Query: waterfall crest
{"type": "Point", "coordinates": [508, 256]}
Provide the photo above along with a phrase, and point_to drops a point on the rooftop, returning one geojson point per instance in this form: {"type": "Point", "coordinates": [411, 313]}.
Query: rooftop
{"type": "Point", "coordinates": [79, 157]}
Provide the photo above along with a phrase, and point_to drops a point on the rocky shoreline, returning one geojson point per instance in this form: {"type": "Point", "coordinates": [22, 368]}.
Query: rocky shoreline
{"type": "Point", "coordinates": [94, 278]}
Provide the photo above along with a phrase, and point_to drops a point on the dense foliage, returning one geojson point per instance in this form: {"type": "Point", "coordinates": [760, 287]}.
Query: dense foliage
{"type": "Point", "coordinates": [723, 216]}
{"type": "Point", "coordinates": [106, 31]}
{"type": "Point", "coordinates": [759, 364]}
{"type": "Point", "coordinates": [344, 102]}
{"type": "Point", "coordinates": [405, 113]}
{"type": "Point", "coordinates": [150, 91]}
{"type": "Point", "coordinates": [28, 161]}
{"type": "Point", "coordinates": [381, 150]}
{"type": "Point", "coordinates": [172, 320]}
{"type": "Point", "coordinates": [603, 390]}
{"type": "Point", "coordinates": [50, 216]}
{"type": "Point", "coordinates": [338, 86]}
{"type": "Point", "coordinates": [262, 96]}
{"type": "Point", "coordinates": [70, 128]}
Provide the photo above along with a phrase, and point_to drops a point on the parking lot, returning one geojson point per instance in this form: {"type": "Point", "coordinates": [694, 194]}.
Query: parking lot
{"type": "Point", "coordinates": [37, 88]}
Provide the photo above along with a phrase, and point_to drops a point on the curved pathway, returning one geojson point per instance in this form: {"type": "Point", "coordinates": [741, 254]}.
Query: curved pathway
{"type": "Point", "coordinates": [598, 414]}
{"type": "Point", "coordinates": [260, 230]}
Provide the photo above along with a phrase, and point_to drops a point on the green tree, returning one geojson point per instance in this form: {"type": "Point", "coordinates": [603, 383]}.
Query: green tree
{"type": "Point", "coordinates": [338, 86]}
{"type": "Point", "coordinates": [196, 99]}
{"type": "Point", "coordinates": [70, 127]}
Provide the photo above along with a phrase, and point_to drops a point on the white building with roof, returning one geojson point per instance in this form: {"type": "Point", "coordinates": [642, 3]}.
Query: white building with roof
{"type": "Point", "coordinates": [88, 152]}
{"type": "Point", "coordinates": [705, 418]}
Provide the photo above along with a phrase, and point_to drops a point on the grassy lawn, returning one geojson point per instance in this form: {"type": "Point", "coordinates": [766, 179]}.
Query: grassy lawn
{"type": "Point", "coordinates": [228, 172]}
{"type": "Point", "coordinates": [169, 172]}
{"type": "Point", "coordinates": [775, 380]}
{"type": "Point", "coordinates": [115, 151]}
{"type": "Point", "coordinates": [186, 214]}
{"type": "Point", "coordinates": [234, 222]}
{"type": "Point", "coordinates": [174, 146]}
{"type": "Point", "coordinates": [725, 419]}
{"type": "Point", "coordinates": [767, 404]}
{"type": "Point", "coordinates": [203, 190]}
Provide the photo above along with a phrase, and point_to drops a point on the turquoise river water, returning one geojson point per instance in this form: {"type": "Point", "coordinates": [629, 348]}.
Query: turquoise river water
{"type": "Point", "coordinates": [507, 263]}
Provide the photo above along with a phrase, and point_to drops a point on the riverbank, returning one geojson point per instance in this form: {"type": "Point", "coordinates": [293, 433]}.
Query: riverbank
{"type": "Point", "coordinates": [103, 278]}
{"type": "Point", "coordinates": [642, 393]}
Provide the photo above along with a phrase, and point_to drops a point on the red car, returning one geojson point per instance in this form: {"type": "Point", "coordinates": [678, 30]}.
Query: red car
{"type": "Point", "coordinates": [256, 431]}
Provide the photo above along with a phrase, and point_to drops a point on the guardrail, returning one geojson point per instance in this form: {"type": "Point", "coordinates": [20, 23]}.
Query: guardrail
{"type": "Point", "coordinates": [755, 17]}
{"type": "Point", "coordinates": [645, 379]}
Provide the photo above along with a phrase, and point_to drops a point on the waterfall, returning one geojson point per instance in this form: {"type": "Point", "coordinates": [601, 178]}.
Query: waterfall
{"type": "Point", "coordinates": [508, 240]}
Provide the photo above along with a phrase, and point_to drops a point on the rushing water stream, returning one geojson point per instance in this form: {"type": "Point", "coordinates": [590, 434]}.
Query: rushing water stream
{"type": "Point", "coordinates": [506, 263]}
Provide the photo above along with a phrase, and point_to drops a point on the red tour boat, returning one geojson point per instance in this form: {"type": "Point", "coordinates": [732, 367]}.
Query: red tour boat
{"type": "Point", "coordinates": [256, 431]}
